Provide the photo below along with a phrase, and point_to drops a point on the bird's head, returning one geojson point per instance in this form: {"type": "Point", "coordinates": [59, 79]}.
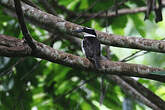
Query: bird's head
{"type": "Point", "coordinates": [88, 32]}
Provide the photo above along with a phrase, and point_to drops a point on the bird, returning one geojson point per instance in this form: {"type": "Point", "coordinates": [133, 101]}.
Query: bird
{"type": "Point", "coordinates": [90, 45]}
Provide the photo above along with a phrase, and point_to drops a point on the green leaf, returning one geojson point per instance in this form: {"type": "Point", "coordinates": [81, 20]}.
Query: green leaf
{"type": "Point", "coordinates": [139, 24]}
{"type": "Point", "coordinates": [119, 24]}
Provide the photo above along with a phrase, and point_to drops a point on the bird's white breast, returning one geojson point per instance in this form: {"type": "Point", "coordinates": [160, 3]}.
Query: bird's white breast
{"type": "Point", "coordinates": [82, 47]}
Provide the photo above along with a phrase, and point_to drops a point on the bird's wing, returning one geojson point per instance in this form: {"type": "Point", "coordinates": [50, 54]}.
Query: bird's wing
{"type": "Point", "coordinates": [97, 48]}
{"type": "Point", "coordinates": [88, 48]}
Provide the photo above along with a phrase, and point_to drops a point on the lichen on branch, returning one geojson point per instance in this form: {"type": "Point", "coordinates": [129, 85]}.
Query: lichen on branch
{"type": "Point", "coordinates": [52, 23]}
{"type": "Point", "coordinates": [13, 47]}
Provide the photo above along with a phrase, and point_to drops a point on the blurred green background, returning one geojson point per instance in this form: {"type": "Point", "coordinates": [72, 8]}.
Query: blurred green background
{"type": "Point", "coordinates": [35, 84]}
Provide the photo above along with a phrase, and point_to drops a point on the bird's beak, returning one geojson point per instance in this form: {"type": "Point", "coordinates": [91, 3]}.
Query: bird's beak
{"type": "Point", "coordinates": [78, 30]}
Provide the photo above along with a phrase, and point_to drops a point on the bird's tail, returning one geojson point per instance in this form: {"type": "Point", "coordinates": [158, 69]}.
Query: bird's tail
{"type": "Point", "coordinates": [97, 63]}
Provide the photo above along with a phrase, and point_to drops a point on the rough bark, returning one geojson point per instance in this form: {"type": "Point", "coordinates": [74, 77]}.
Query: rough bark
{"type": "Point", "coordinates": [154, 102]}
{"type": "Point", "coordinates": [52, 23]}
{"type": "Point", "coordinates": [145, 92]}
{"type": "Point", "coordinates": [13, 47]}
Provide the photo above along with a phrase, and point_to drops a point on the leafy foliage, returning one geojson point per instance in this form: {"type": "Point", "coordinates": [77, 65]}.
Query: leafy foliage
{"type": "Point", "coordinates": [37, 84]}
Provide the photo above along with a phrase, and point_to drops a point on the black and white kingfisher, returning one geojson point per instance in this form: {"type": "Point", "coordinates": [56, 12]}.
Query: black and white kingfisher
{"type": "Point", "coordinates": [91, 45]}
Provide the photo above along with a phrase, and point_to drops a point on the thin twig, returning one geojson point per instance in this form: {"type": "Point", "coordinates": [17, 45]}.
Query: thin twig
{"type": "Point", "coordinates": [103, 87]}
{"type": "Point", "coordinates": [29, 2]}
{"type": "Point", "coordinates": [125, 59]}
{"type": "Point", "coordinates": [24, 29]}
{"type": "Point", "coordinates": [10, 69]}
{"type": "Point", "coordinates": [80, 15]}
{"type": "Point", "coordinates": [33, 68]}
{"type": "Point", "coordinates": [75, 88]}
{"type": "Point", "coordinates": [100, 12]}
{"type": "Point", "coordinates": [48, 7]}
{"type": "Point", "coordinates": [134, 55]}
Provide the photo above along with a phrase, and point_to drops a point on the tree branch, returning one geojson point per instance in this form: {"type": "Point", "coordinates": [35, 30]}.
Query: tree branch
{"type": "Point", "coordinates": [48, 7]}
{"type": "Point", "coordinates": [145, 92]}
{"type": "Point", "coordinates": [13, 47]}
{"type": "Point", "coordinates": [51, 23]}
{"type": "Point", "coordinates": [24, 29]}
{"type": "Point", "coordinates": [29, 2]}
{"type": "Point", "coordinates": [130, 89]}
{"type": "Point", "coordinates": [113, 14]}
{"type": "Point", "coordinates": [103, 14]}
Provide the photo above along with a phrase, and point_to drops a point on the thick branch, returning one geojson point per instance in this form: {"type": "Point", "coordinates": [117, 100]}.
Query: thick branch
{"type": "Point", "coordinates": [51, 23]}
{"type": "Point", "coordinates": [13, 47]}
{"type": "Point", "coordinates": [137, 91]}
{"type": "Point", "coordinates": [101, 15]}
{"type": "Point", "coordinates": [153, 102]}
{"type": "Point", "coordinates": [10, 48]}
{"type": "Point", "coordinates": [113, 14]}
{"type": "Point", "coordinates": [107, 67]}
{"type": "Point", "coordinates": [145, 92]}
